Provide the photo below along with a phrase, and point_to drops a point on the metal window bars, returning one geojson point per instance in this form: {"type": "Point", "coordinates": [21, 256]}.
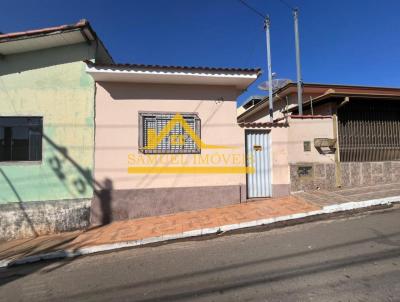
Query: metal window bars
{"type": "Point", "coordinates": [369, 130]}
{"type": "Point", "coordinates": [176, 141]}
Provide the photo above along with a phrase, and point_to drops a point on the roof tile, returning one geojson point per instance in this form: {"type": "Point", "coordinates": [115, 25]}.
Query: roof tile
{"type": "Point", "coordinates": [174, 67]}
{"type": "Point", "coordinates": [79, 24]}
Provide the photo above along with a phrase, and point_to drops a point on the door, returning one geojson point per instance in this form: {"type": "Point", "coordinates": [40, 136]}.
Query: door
{"type": "Point", "coordinates": [257, 157]}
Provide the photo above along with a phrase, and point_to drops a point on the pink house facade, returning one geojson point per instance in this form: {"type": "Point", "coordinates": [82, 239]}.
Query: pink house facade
{"type": "Point", "coordinates": [178, 173]}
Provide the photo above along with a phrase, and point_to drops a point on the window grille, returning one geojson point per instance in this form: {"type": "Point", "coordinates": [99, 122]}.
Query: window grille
{"type": "Point", "coordinates": [176, 140]}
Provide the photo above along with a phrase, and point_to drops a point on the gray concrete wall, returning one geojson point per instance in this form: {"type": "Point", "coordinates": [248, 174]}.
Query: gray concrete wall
{"type": "Point", "coordinates": [311, 176]}
{"type": "Point", "coordinates": [30, 219]}
{"type": "Point", "coordinates": [370, 173]}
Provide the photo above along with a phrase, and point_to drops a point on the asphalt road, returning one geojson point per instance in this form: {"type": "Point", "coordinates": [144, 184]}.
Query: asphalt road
{"type": "Point", "coordinates": [349, 259]}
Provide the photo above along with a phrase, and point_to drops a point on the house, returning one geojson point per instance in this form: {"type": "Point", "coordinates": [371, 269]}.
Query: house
{"type": "Point", "coordinates": [167, 139]}
{"type": "Point", "coordinates": [84, 140]}
{"type": "Point", "coordinates": [347, 136]}
{"type": "Point", "coordinates": [47, 129]}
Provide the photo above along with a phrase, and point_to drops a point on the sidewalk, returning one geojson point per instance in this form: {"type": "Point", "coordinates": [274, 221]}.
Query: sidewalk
{"type": "Point", "coordinates": [143, 231]}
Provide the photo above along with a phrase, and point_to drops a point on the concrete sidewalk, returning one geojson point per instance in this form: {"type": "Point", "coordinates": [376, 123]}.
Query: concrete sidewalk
{"type": "Point", "coordinates": [142, 231]}
{"type": "Point", "coordinates": [351, 194]}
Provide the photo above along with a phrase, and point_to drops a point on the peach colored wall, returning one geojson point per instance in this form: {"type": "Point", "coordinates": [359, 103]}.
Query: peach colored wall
{"type": "Point", "coordinates": [117, 107]}
{"type": "Point", "coordinates": [287, 147]}
{"type": "Point", "coordinates": [279, 155]}
{"type": "Point", "coordinates": [301, 130]}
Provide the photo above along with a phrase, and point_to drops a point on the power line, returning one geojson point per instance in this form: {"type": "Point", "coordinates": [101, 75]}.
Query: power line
{"type": "Point", "coordinates": [286, 4]}
{"type": "Point", "coordinates": [253, 9]}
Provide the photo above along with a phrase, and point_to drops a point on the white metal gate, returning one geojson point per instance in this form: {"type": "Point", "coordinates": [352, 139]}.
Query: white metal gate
{"type": "Point", "coordinates": [257, 153]}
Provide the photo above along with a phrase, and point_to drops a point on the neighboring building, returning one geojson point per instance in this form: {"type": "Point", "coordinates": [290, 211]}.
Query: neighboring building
{"type": "Point", "coordinates": [47, 129]}
{"type": "Point", "coordinates": [250, 102]}
{"type": "Point", "coordinates": [135, 103]}
{"type": "Point", "coordinates": [348, 135]}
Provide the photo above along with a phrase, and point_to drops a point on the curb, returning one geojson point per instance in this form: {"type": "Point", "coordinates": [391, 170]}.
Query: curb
{"type": "Point", "coordinates": [194, 233]}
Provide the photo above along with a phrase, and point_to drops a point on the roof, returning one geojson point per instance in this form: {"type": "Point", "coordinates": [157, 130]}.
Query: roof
{"type": "Point", "coordinates": [332, 95]}
{"type": "Point", "coordinates": [309, 116]}
{"type": "Point", "coordinates": [36, 39]}
{"type": "Point", "coordinates": [252, 100]}
{"type": "Point", "coordinates": [262, 124]}
{"type": "Point", "coordinates": [171, 74]}
{"type": "Point", "coordinates": [42, 31]}
{"type": "Point", "coordinates": [327, 90]}
{"type": "Point", "coordinates": [130, 66]}
{"type": "Point", "coordinates": [31, 40]}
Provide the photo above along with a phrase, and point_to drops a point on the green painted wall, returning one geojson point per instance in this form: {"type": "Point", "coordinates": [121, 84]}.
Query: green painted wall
{"type": "Point", "coordinates": [63, 94]}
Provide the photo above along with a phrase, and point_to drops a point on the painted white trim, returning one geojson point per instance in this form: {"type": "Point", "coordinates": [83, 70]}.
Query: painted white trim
{"type": "Point", "coordinates": [205, 73]}
{"type": "Point", "coordinates": [229, 78]}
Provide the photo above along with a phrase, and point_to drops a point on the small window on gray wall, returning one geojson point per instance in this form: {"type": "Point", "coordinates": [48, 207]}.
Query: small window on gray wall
{"type": "Point", "coordinates": [21, 139]}
{"type": "Point", "coordinates": [177, 140]}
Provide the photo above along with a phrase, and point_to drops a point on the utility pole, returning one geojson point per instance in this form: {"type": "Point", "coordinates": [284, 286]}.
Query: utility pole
{"type": "Point", "coordinates": [270, 96]}
{"type": "Point", "coordinates": [298, 66]}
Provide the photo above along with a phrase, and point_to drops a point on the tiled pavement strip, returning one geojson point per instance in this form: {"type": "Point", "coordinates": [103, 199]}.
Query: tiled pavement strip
{"type": "Point", "coordinates": [141, 231]}
{"type": "Point", "coordinates": [153, 229]}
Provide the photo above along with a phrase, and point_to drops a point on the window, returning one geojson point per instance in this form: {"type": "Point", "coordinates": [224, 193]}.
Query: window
{"type": "Point", "coordinates": [21, 138]}
{"type": "Point", "coordinates": [307, 146]}
{"type": "Point", "coordinates": [181, 138]}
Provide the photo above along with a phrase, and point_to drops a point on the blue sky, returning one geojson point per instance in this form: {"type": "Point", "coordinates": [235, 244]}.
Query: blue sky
{"type": "Point", "coordinates": [342, 41]}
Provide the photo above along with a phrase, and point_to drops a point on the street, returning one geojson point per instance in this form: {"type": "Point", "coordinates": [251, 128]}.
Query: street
{"type": "Point", "coordinates": [346, 259]}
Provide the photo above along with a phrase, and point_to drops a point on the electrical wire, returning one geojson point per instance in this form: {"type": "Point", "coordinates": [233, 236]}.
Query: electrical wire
{"type": "Point", "coordinates": [253, 9]}
{"type": "Point", "coordinates": [286, 4]}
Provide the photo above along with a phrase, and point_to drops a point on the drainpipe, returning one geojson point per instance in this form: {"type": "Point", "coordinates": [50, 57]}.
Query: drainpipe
{"type": "Point", "coordinates": [338, 174]}
{"type": "Point", "coordinates": [286, 111]}
{"type": "Point", "coordinates": [338, 167]}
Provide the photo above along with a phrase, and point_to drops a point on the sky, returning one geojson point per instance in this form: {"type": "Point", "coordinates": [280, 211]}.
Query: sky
{"type": "Point", "coordinates": [342, 41]}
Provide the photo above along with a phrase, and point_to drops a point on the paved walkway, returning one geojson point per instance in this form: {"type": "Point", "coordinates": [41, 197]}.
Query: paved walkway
{"type": "Point", "coordinates": [165, 226]}
{"type": "Point", "coordinates": [354, 194]}
{"type": "Point", "coordinates": [194, 223]}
